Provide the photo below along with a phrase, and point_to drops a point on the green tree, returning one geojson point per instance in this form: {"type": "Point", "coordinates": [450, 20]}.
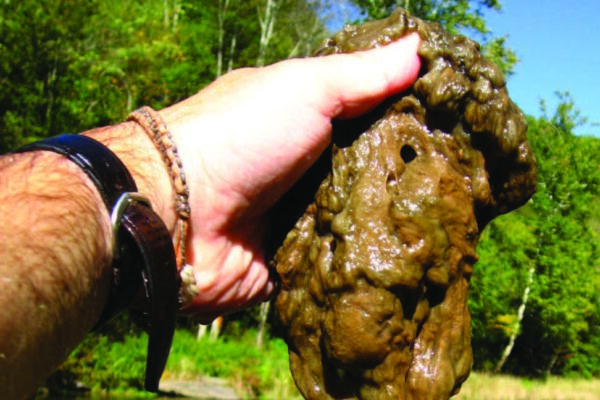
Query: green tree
{"type": "Point", "coordinates": [555, 234]}
{"type": "Point", "coordinates": [35, 55]}
{"type": "Point", "coordinates": [67, 65]}
{"type": "Point", "coordinates": [564, 316]}
{"type": "Point", "coordinates": [507, 248]}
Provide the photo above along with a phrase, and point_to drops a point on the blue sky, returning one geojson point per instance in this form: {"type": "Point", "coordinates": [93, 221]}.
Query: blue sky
{"type": "Point", "coordinates": [558, 44]}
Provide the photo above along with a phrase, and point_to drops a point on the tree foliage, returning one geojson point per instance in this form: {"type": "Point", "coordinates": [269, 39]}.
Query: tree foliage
{"type": "Point", "coordinates": [557, 233]}
{"type": "Point", "coordinates": [67, 65]}
{"type": "Point", "coordinates": [72, 65]}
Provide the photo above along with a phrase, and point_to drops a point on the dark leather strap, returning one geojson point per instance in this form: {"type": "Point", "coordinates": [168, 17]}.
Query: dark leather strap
{"type": "Point", "coordinates": [144, 256]}
{"type": "Point", "coordinates": [161, 282]}
{"type": "Point", "coordinates": [101, 165]}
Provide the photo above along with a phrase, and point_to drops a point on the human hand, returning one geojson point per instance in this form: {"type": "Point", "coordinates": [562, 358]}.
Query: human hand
{"type": "Point", "coordinates": [246, 138]}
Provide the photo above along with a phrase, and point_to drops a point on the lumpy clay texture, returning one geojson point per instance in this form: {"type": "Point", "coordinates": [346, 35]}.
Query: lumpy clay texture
{"type": "Point", "coordinates": [375, 272]}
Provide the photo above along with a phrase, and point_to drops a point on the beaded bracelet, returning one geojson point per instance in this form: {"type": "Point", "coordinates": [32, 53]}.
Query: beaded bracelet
{"type": "Point", "coordinates": [155, 127]}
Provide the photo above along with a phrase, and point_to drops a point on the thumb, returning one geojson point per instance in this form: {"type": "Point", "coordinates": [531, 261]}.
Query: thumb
{"type": "Point", "coordinates": [358, 81]}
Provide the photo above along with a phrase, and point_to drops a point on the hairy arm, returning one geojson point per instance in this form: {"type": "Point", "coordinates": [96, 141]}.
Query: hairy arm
{"type": "Point", "coordinates": [55, 252]}
{"type": "Point", "coordinates": [243, 141]}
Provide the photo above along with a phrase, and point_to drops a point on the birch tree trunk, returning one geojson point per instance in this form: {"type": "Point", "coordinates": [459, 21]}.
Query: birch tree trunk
{"type": "Point", "coordinates": [223, 4]}
{"type": "Point", "coordinates": [231, 52]}
{"type": "Point", "coordinates": [264, 313]}
{"type": "Point", "coordinates": [176, 12]}
{"type": "Point", "coordinates": [166, 16]}
{"type": "Point", "coordinates": [215, 329]}
{"type": "Point", "coordinates": [517, 326]}
{"type": "Point", "coordinates": [49, 90]}
{"type": "Point", "coordinates": [267, 21]}
{"type": "Point", "coordinates": [202, 329]}
{"type": "Point", "coordinates": [171, 13]}
{"type": "Point", "coordinates": [302, 47]}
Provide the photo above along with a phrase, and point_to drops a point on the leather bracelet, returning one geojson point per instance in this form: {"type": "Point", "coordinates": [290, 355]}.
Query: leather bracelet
{"type": "Point", "coordinates": [143, 253]}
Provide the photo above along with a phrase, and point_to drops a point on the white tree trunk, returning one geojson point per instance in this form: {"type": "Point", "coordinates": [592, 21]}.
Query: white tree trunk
{"type": "Point", "coordinates": [202, 329]}
{"type": "Point", "coordinates": [215, 328]}
{"type": "Point", "coordinates": [231, 52]}
{"type": "Point", "coordinates": [176, 12]}
{"type": "Point", "coordinates": [223, 4]}
{"type": "Point", "coordinates": [267, 21]}
{"type": "Point", "coordinates": [302, 46]}
{"type": "Point", "coordinates": [166, 16]}
{"type": "Point", "coordinates": [49, 87]}
{"type": "Point", "coordinates": [264, 313]}
{"type": "Point", "coordinates": [517, 326]}
{"type": "Point", "coordinates": [171, 10]}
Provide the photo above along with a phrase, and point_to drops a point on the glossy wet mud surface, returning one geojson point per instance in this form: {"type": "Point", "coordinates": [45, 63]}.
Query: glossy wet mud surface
{"type": "Point", "coordinates": [375, 271]}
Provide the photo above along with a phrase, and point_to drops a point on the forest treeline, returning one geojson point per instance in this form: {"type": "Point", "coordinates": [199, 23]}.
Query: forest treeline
{"type": "Point", "coordinates": [68, 65]}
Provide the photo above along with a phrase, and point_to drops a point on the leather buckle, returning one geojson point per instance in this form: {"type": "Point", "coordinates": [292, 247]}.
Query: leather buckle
{"type": "Point", "coordinates": [117, 214]}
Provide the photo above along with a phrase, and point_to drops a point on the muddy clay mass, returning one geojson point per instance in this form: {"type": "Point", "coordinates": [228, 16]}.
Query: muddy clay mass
{"type": "Point", "coordinates": [375, 272]}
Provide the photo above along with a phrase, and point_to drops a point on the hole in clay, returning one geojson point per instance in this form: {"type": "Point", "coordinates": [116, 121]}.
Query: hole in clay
{"type": "Point", "coordinates": [392, 185]}
{"type": "Point", "coordinates": [333, 246]}
{"type": "Point", "coordinates": [407, 153]}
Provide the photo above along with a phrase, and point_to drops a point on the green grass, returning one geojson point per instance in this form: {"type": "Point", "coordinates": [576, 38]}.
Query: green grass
{"type": "Point", "coordinates": [488, 387]}
{"type": "Point", "coordinates": [257, 373]}
{"type": "Point", "coordinates": [254, 372]}
{"type": "Point", "coordinates": [116, 367]}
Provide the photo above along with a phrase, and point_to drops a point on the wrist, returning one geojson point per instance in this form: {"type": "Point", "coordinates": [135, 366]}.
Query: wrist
{"type": "Point", "coordinates": [143, 160]}
{"type": "Point", "coordinates": [147, 149]}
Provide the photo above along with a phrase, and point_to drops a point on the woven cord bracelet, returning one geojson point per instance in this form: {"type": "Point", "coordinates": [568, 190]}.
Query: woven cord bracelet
{"type": "Point", "coordinates": [155, 127]}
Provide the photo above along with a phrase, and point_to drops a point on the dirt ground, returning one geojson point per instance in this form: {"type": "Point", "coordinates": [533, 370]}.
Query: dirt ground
{"type": "Point", "coordinates": [200, 388]}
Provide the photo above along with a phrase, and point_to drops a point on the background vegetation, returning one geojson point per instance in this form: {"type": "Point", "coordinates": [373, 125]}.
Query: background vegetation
{"type": "Point", "coordinates": [67, 65]}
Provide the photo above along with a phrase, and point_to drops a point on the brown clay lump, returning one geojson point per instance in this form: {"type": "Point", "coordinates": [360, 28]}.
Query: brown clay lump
{"type": "Point", "coordinates": [373, 303]}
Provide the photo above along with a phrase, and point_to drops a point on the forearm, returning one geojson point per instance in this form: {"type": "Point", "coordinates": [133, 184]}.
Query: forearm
{"type": "Point", "coordinates": [54, 257]}
{"type": "Point", "coordinates": [55, 252]}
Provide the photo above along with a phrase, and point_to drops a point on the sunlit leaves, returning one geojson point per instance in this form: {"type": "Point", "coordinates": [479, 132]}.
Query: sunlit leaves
{"type": "Point", "coordinates": [557, 232]}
